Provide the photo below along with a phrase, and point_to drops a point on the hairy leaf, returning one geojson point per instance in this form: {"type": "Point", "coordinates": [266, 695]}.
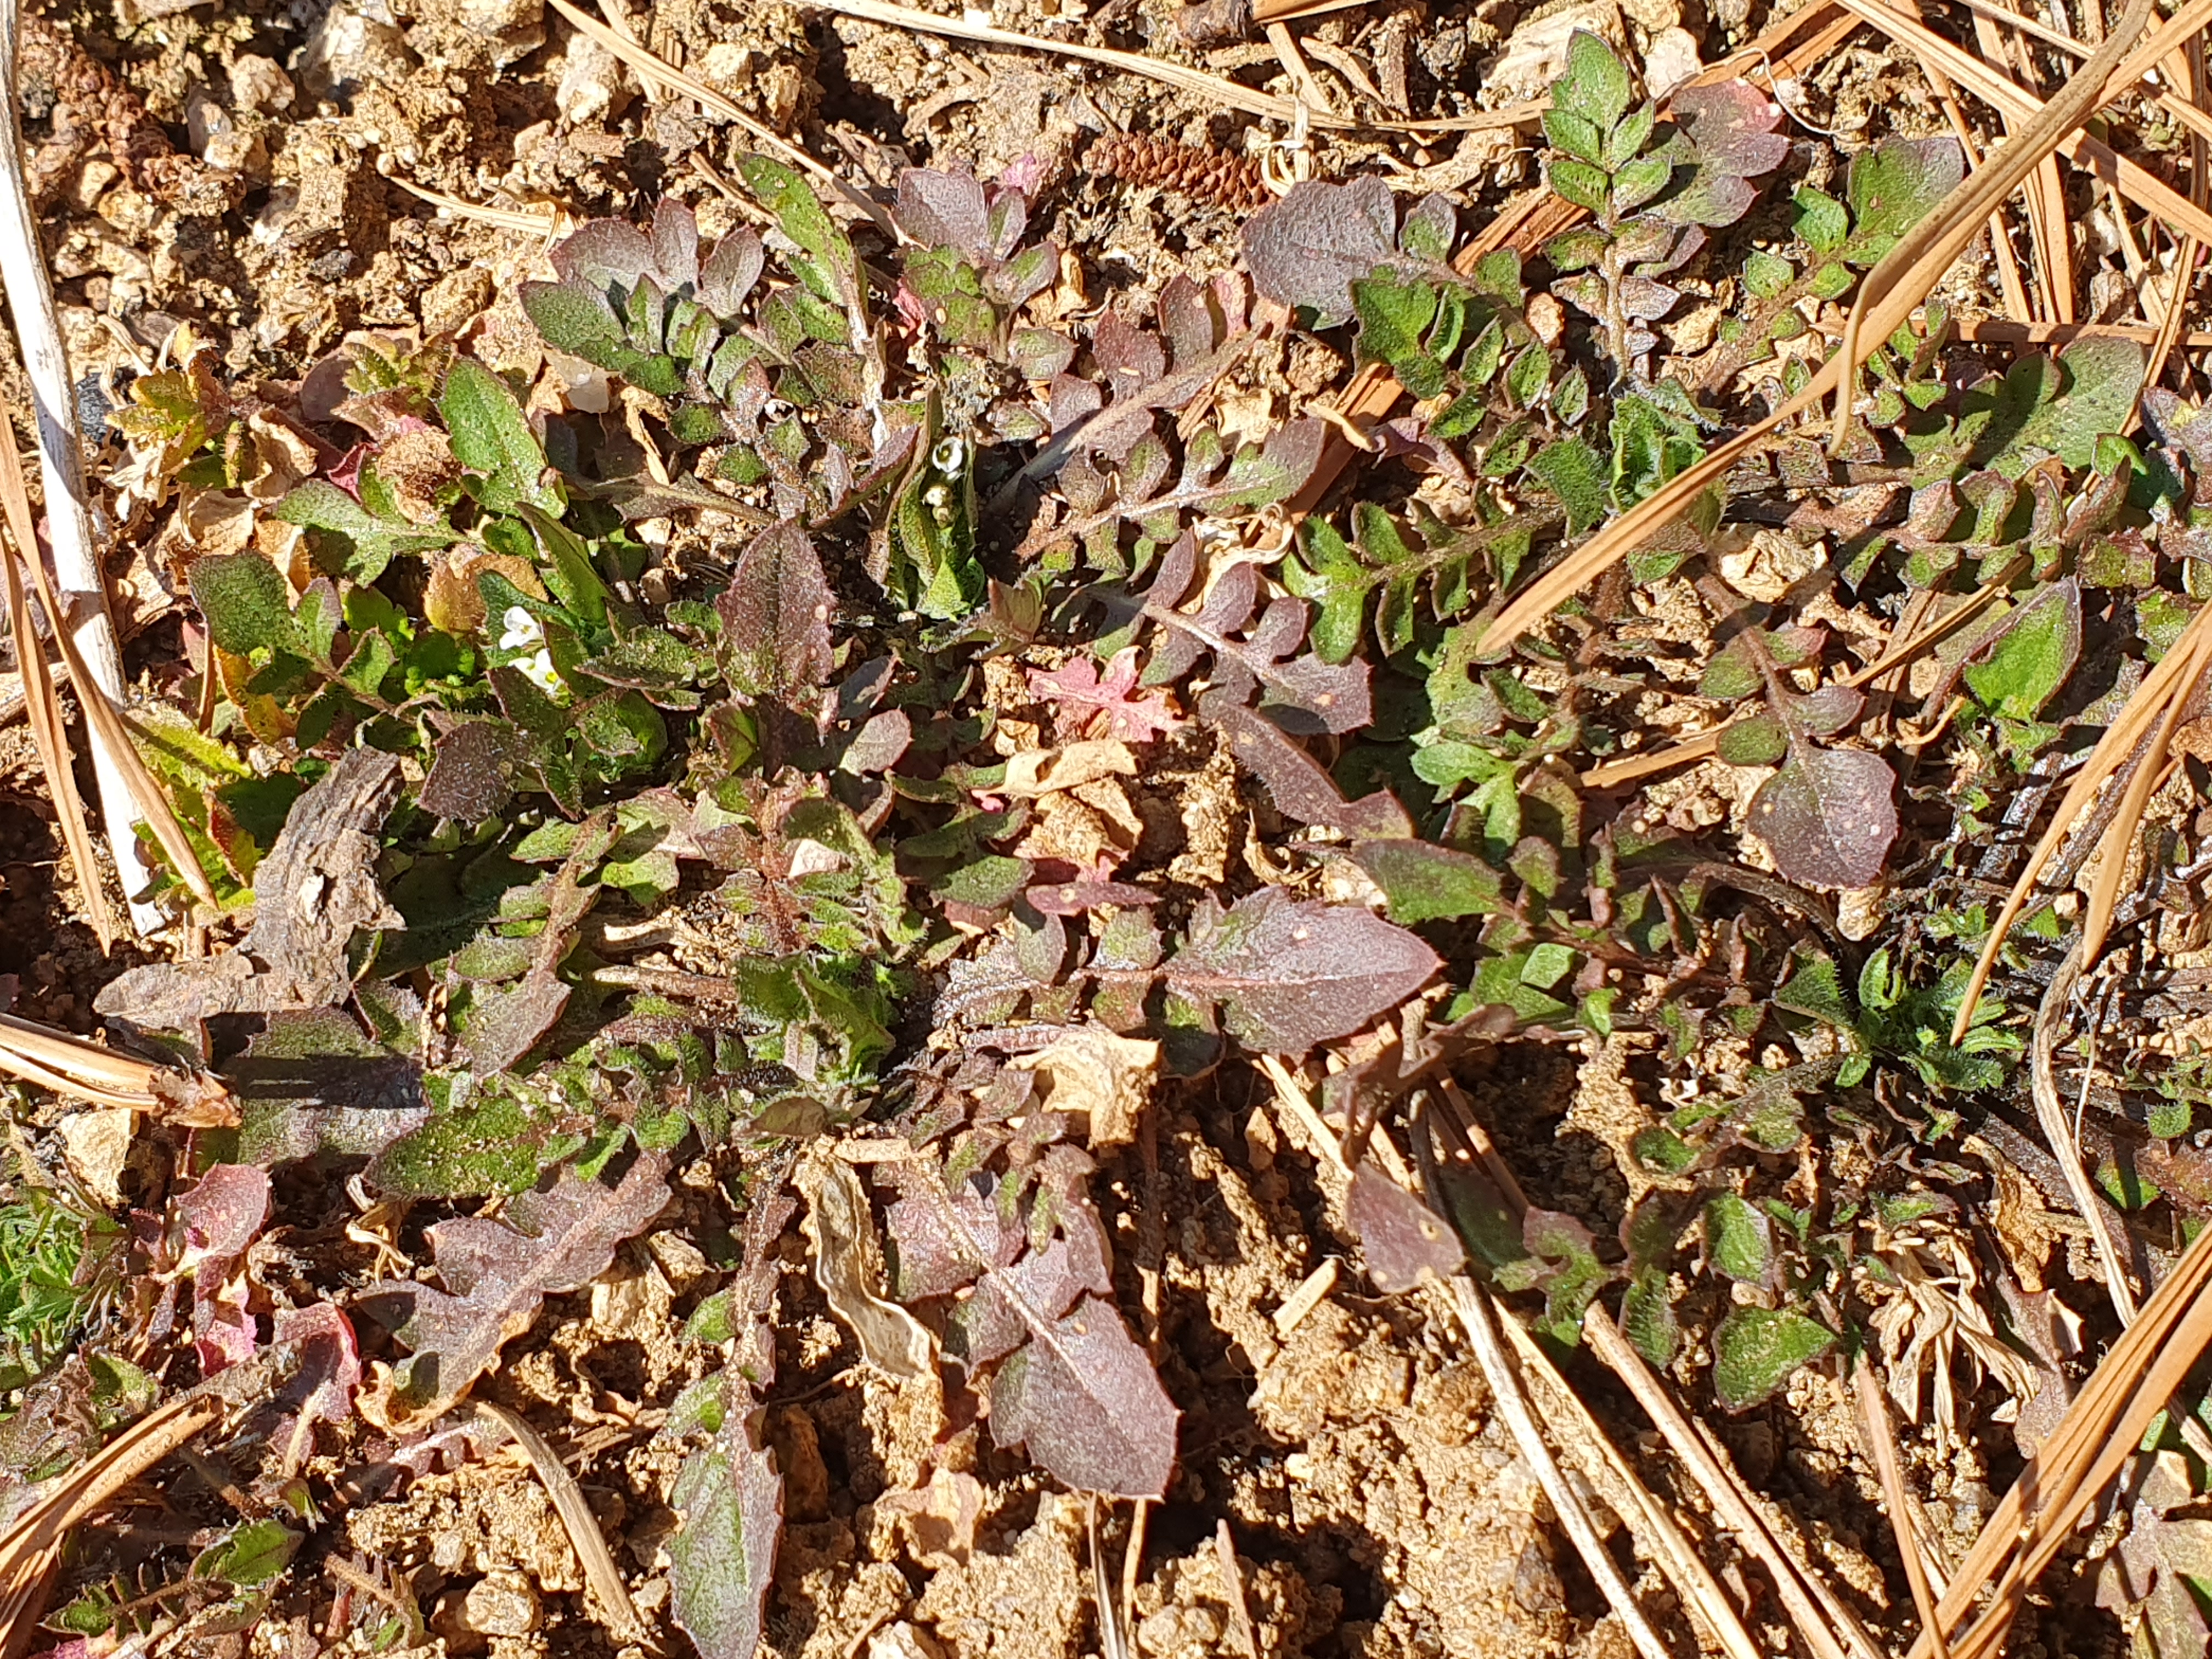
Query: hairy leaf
{"type": "Point", "coordinates": [1756, 1349]}
{"type": "Point", "coordinates": [1427, 883]}
{"type": "Point", "coordinates": [1309, 248]}
{"type": "Point", "coordinates": [1290, 973]}
{"type": "Point", "coordinates": [1828, 816]}
{"type": "Point", "coordinates": [2030, 653]}
{"type": "Point", "coordinates": [775, 616]}
{"type": "Point", "coordinates": [496, 1274]}
{"type": "Point", "coordinates": [1296, 783]}
{"type": "Point", "coordinates": [723, 1557]}
{"type": "Point", "coordinates": [1085, 1400]}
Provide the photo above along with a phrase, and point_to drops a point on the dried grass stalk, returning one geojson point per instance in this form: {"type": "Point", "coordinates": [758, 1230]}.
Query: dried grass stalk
{"type": "Point", "coordinates": [110, 736]}
{"type": "Point", "coordinates": [85, 629]}
{"type": "Point", "coordinates": [42, 709]}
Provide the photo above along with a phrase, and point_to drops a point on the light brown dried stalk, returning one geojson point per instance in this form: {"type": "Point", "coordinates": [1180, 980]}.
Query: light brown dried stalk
{"type": "Point", "coordinates": [69, 1066]}
{"type": "Point", "coordinates": [101, 715]}
{"type": "Point", "coordinates": [1215, 86]}
{"type": "Point", "coordinates": [42, 709]}
{"type": "Point", "coordinates": [85, 631]}
{"type": "Point", "coordinates": [1874, 1412]}
{"type": "Point", "coordinates": [2099, 1433]}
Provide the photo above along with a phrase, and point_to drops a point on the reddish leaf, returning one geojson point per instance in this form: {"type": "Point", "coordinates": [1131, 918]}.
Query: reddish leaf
{"type": "Point", "coordinates": [1086, 1401]}
{"type": "Point", "coordinates": [321, 1389]}
{"type": "Point", "coordinates": [1132, 716]}
{"type": "Point", "coordinates": [1296, 781]}
{"type": "Point", "coordinates": [1291, 973]}
{"type": "Point", "coordinates": [497, 1273]}
{"type": "Point", "coordinates": [1827, 816]}
{"type": "Point", "coordinates": [776, 615]}
{"type": "Point", "coordinates": [1401, 1237]}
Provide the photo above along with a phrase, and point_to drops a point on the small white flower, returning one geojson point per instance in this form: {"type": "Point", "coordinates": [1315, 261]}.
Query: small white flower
{"type": "Point", "coordinates": [522, 630]}
{"type": "Point", "coordinates": [539, 670]}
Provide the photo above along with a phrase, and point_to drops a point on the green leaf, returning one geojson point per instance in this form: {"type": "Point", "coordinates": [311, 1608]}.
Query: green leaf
{"type": "Point", "coordinates": [574, 317]}
{"type": "Point", "coordinates": [1767, 275]}
{"type": "Point", "coordinates": [1595, 84]}
{"type": "Point", "coordinates": [492, 437]}
{"type": "Point", "coordinates": [1576, 473]}
{"type": "Point", "coordinates": [1547, 965]}
{"type": "Point", "coordinates": [251, 1557]}
{"type": "Point", "coordinates": [1822, 221]}
{"type": "Point", "coordinates": [1814, 988]}
{"type": "Point", "coordinates": [1739, 1240]}
{"type": "Point", "coordinates": [1579, 182]}
{"type": "Point", "coordinates": [1639, 181]}
{"type": "Point", "coordinates": [1577, 135]}
{"type": "Point", "coordinates": [2103, 377]}
{"type": "Point", "coordinates": [1893, 186]}
{"type": "Point", "coordinates": [800, 215]}
{"type": "Point", "coordinates": [1756, 740]}
{"type": "Point", "coordinates": [247, 605]}
{"type": "Point", "coordinates": [1393, 315]}
{"type": "Point", "coordinates": [1427, 883]}
{"type": "Point", "coordinates": [1647, 1318]}
{"type": "Point", "coordinates": [2035, 649]}
{"type": "Point", "coordinates": [1756, 1349]}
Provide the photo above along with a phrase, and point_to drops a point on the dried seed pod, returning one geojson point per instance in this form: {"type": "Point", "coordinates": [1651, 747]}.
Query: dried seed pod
{"type": "Point", "coordinates": [1234, 182]}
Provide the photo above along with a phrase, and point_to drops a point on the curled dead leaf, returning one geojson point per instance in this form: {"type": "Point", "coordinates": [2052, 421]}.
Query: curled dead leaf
{"type": "Point", "coordinates": [1035, 772]}
{"type": "Point", "coordinates": [1095, 1074]}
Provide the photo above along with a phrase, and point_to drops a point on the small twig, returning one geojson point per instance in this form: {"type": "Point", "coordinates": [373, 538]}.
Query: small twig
{"type": "Point", "coordinates": [1873, 1410]}
{"type": "Point", "coordinates": [1472, 1305]}
{"type": "Point", "coordinates": [1232, 1580]}
{"type": "Point", "coordinates": [577, 1519]}
{"type": "Point", "coordinates": [1215, 86]}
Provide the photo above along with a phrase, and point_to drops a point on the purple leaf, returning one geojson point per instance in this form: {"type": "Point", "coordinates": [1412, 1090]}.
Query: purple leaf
{"type": "Point", "coordinates": [497, 1275]}
{"type": "Point", "coordinates": [776, 615]}
{"type": "Point", "coordinates": [721, 1560]}
{"type": "Point", "coordinates": [1041, 1288]}
{"type": "Point", "coordinates": [1401, 1237]}
{"type": "Point", "coordinates": [473, 770]}
{"type": "Point", "coordinates": [1309, 248]}
{"type": "Point", "coordinates": [1296, 781]}
{"type": "Point", "coordinates": [1291, 973]}
{"type": "Point", "coordinates": [676, 244]}
{"type": "Point", "coordinates": [1086, 1401]}
{"type": "Point", "coordinates": [321, 1388]}
{"type": "Point", "coordinates": [222, 1213]}
{"type": "Point", "coordinates": [1303, 693]}
{"type": "Point", "coordinates": [1733, 125]}
{"type": "Point", "coordinates": [602, 251]}
{"type": "Point", "coordinates": [1827, 816]}
{"type": "Point", "coordinates": [730, 272]}
{"type": "Point", "coordinates": [505, 1024]}
{"type": "Point", "coordinates": [943, 210]}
